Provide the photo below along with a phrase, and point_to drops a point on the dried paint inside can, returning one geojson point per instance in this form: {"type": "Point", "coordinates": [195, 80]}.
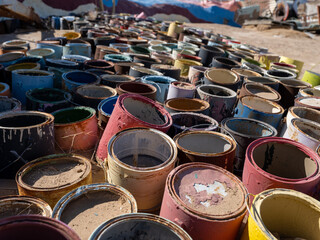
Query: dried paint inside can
{"type": "Point", "coordinates": [284, 160]}
{"type": "Point", "coordinates": [95, 91]}
{"type": "Point", "coordinates": [308, 128]}
{"type": "Point", "coordinates": [260, 104]}
{"type": "Point", "coordinates": [86, 212]}
{"type": "Point", "coordinates": [262, 91]}
{"type": "Point", "coordinates": [310, 101]}
{"type": "Point", "coordinates": [72, 115]}
{"type": "Point", "coordinates": [144, 111]}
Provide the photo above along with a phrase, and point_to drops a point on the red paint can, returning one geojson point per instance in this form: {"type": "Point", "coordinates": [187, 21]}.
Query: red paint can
{"type": "Point", "coordinates": [205, 200]}
{"type": "Point", "coordinates": [275, 162]}
{"type": "Point", "coordinates": [133, 110]}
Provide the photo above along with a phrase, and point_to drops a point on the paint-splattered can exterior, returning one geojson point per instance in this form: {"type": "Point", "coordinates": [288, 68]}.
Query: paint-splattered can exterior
{"type": "Point", "coordinates": [105, 201]}
{"type": "Point", "coordinates": [36, 228]}
{"type": "Point", "coordinates": [194, 197]}
{"type": "Point", "coordinates": [304, 131]}
{"type": "Point", "coordinates": [23, 205]}
{"type": "Point", "coordinates": [205, 146]}
{"type": "Point", "coordinates": [259, 109]}
{"type": "Point", "coordinates": [76, 128]}
{"type": "Point", "coordinates": [68, 165]}
{"type": "Point", "coordinates": [139, 225]}
{"type": "Point", "coordinates": [9, 104]}
{"type": "Point", "coordinates": [221, 99]}
{"type": "Point", "coordinates": [128, 113]}
{"type": "Point", "coordinates": [245, 131]}
{"type": "Point", "coordinates": [141, 157]}
{"type": "Point", "coordinates": [261, 172]}
{"type": "Point", "coordinates": [181, 90]}
{"type": "Point", "coordinates": [184, 65]}
{"type": "Point", "coordinates": [196, 74]}
{"type": "Point", "coordinates": [25, 135]}
{"type": "Point", "coordinates": [281, 213]}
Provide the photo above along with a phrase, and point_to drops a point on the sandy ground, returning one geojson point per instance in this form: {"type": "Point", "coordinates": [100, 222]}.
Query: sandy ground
{"type": "Point", "coordinates": [290, 43]}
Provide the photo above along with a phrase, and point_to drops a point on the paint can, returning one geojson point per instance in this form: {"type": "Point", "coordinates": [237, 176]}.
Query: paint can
{"type": "Point", "coordinates": [304, 131]}
{"type": "Point", "coordinates": [123, 68]}
{"type": "Point", "coordinates": [114, 80]}
{"type": "Point", "coordinates": [71, 80]}
{"type": "Point", "coordinates": [10, 58]}
{"type": "Point", "coordinates": [184, 51]}
{"type": "Point", "coordinates": [82, 49]}
{"type": "Point", "coordinates": [26, 79]}
{"type": "Point", "coordinates": [133, 110]}
{"type": "Point", "coordinates": [271, 82]}
{"type": "Point", "coordinates": [181, 90]}
{"type": "Point", "coordinates": [71, 35]}
{"type": "Point", "coordinates": [123, 47]}
{"type": "Point", "coordinates": [143, 89]}
{"type": "Point", "coordinates": [146, 61]}
{"type": "Point", "coordinates": [41, 53]}
{"type": "Point", "coordinates": [280, 163]}
{"type": "Point", "coordinates": [184, 65]}
{"type": "Point", "coordinates": [311, 77]}
{"type": "Point", "coordinates": [280, 74]}
{"type": "Point", "coordinates": [309, 102]}
{"type": "Point", "coordinates": [196, 74]}
{"type": "Point", "coordinates": [137, 71]}
{"type": "Point", "coordinates": [167, 70]}
{"type": "Point", "coordinates": [175, 28]}
{"type": "Point", "coordinates": [221, 99]}
{"type": "Point", "coordinates": [91, 95]}
{"type": "Point", "coordinates": [58, 68]}
{"type": "Point", "coordinates": [76, 58]}
{"type": "Point", "coordinates": [252, 61]}
{"type": "Point", "coordinates": [284, 66]}
{"type": "Point", "coordinates": [36, 228]}
{"type": "Point", "coordinates": [245, 73]}
{"type": "Point", "coordinates": [115, 58]}
{"type": "Point", "coordinates": [51, 177]}
{"type": "Point", "coordinates": [105, 109]}
{"type": "Point", "coordinates": [259, 109]}
{"type": "Point", "coordinates": [161, 83]}
{"type": "Point", "coordinates": [189, 121]}
{"type": "Point", "coordinates": [4, 89]}
{"type": "Point", "coordinates": [205, 200]}
{"type": "Point", "coordinates": [259, 90]}
{"type": "Point", "coordinates": [207, 53]}
{"type": "Point", "coordinates": [25, 135]}
{"type": "Point", "coordinates": [215, 148]}
{"type": "Point", "coordinates": [141, 157]}
{"type": "Point", "coordinates": [13, 49]}
{"type": "Point", "coordinates": [175, 105]}
{"type": "Point", "coordinates": [23, 205]}
{"type": "Point", "coordinates": [245, 131]}
{"type": "Point", "coordinates": [102, 50]}
{"type": "Point", "coordinates": [309, 92]}
{"type": "Point", "coordinates": [47, 99]}
{"type": "Point", "coordinates": [297, 63]}
{"type": "Point", "coordinates": [139, 225]}
{"type": "Point", "coordinates": [288, 90]}
{"type": "Point", "coordinates": [282, 213]}
{"type": "Point", "coordinates": [88, 206]}
{"type": "Point", "coordinates": [9, 104]}
{"type": "Point", "coordinates": [225, 63]}
{"type": "Point", "coordinates": [222, 77]}
{"type": "Point", "coordinates": [253, 67]}
{"type": "Point", "coordinates": [16, 43]}
{"type": "Point", "coordinates": [76, 128]}
{"type": "Point", "coordinates": [99, 64]}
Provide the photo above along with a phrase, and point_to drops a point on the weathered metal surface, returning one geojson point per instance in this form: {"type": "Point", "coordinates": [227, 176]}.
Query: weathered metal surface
{"type": "Point", "coordinates": [259, 90]}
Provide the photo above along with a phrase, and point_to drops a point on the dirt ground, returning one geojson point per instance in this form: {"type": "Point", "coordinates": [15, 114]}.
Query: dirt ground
{"type": "Point", "coordinates": [289, 43]}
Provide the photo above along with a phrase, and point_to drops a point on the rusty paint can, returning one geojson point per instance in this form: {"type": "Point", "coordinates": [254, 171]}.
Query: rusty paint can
{"type": "Point", "coordinates": [76, 128]}
{"type": "Point", "coordinates": [245, 131]}
{"type": "Point", "coordinates": [139, 225]}
{"type": "Point", "coordinates": [132, 110]}
{"type": "Point", "coordinates": [141, 157]}
{"type": "Point", "coordinates": [221, 99]}
{"type": "Point", "coordinates": [275, 162]}
{"type": "Point", "coordinates": [88, 206]}
{"type": "Point", "coordinates": [24, 135]}
{"type": "Point", "coordinates": [9, 104]}
{"type": "Point", "coordinates": [205, 146]}
{"type": "Point", "coordinates": [36, 228]}
{"type": "Point", "coordinates": [259, 109]}
{"type": "Point", "coordinates": [259, 90]}
{"type": "Point", "coordinates": [51, 177]}
{"type": "Point", "coordinates": [309, 102]}
{"type": "Point", "coordinates": [175, 105]}
{"type": "Point", "coordinates": [304, 131]}
{"type": "Point", "coordinates": [23, 205]}
{"type": "Point", "coordinates": [143, 89]}
{"type": "Point", "coordinates": [195, 196]}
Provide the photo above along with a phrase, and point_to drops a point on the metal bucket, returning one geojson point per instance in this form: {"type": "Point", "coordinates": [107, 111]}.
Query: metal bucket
{"type": "Point", "coordinates": [245, 73]}
{"type": "Point", "coordinates": [271, 82]}
{"type": "Point", "coordinates": [283, 214]}
{"type": "Point", "coordinates": [205, 146]}
{"type": "Point", "coordinates": [81, 49]}
{"type": "Point", "coordinates": [167, 70]}
{"type": "Point", "coordinates": [184, 65]}
{"type": "Point", "coordinates": [41, 53]}
{"type": "Point", "coordinates": [73, 79]}
{"type": "Point", "coordinates": [180, 90]}
{"type": "Point", "coordinates": [175, 105]}
{"type": "Point", "coordinates": [114, 80]}
{"type": "Point", "coordinates": [309, 102]}
{"type": "Point", "coordinates": [308, 92]}
{"type": "Point", "coordinates": [208, 52]}
{"type": "Point", "coordinates": [76, 128]}
{"type": "Point", "coordinates": [132, 110]}
{"type": "Point", "coordinates": [9, 104]}
{"type": "Point", "coordinates": [222, 77]}
{"type": "Point", "coordinates": [281, 163]}
{"type": "Point", "coordinates": [259, 109]}
{"type": "Point", "coordinates": [221, 99]}
{"type": "Point", "coordinates": [139, 226]}
{"type": "Point", "coordinates": [141, 157]}
{"type": "Point", "coordinates": [105, 109]}
{"type": "Point", "coordinates": [11, 58]}
{"type": "Point", "coordinates": [245, 131]}
{"type": "Point", "coordinates": [47, 99]}
{"type": "Point", "coordinates": [25, 135]}
{"type": "Point", "coordinates": [143, 89]}
{"type": "Point", "coordinates": [4, 90]}
{"type": "Point", "coordinates": [88, 206]}
{"type": "Point", "coordinates": [51, 177]}
{"type": "Point", "coordinates": [304, 131]}
{"type": "Point", "coordinates": [23, 205]}
{"type": "Point", "coordinates": [205, 200]}
{"type": "Point", "coordinates": [311, 77]}
{"type": "Point", "coordinates": [259, 90]}
{"type": "Point", "coordinates": [196, 74]}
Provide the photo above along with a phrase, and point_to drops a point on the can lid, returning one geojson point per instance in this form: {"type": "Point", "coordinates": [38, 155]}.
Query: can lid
{"type": "Point", "coordinates": [210, 190]}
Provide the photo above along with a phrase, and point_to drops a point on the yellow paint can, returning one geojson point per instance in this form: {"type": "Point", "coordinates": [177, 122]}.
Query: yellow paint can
{"type": "Point", "coordinates": [184, 65]}
{"type": "Point", "coordinates": [311, 77]}
{"type": "Point", "coordinates": [174, 29]}
{"type": "Point", "coordinates": [299, 64]}
{"type": "Point", "coordinates": [283, 213]}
